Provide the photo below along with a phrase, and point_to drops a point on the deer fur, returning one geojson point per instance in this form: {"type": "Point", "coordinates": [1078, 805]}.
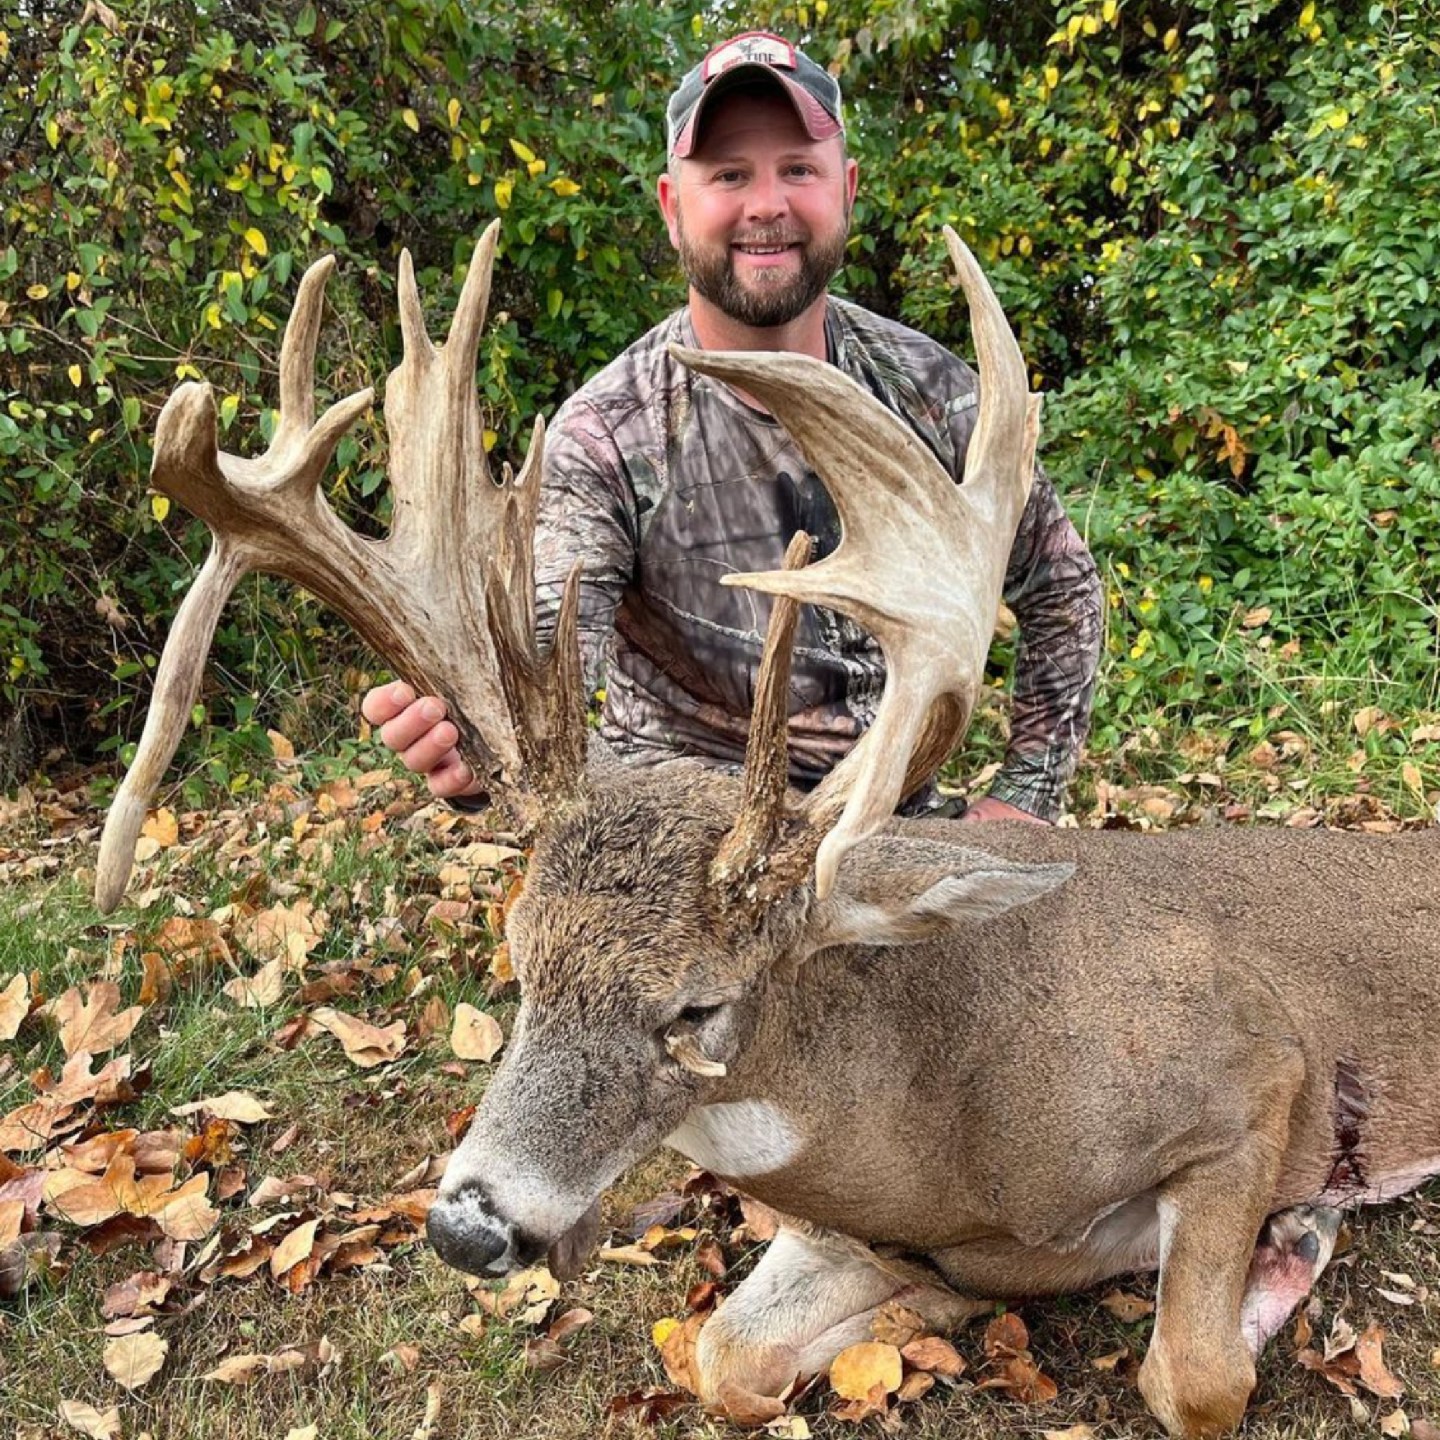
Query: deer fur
{"type": "Point", "coordinates": [997, 1062]}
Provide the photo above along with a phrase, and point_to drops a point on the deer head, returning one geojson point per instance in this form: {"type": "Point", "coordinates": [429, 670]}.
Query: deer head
{"type": "Point", "coordinates": [660, 908]}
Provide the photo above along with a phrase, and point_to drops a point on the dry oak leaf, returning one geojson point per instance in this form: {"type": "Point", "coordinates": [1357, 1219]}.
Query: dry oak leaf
{"type": "Point", "coordinates": [264, 988]}
{"type": "Point", "coordinates": [677, 1342]}
{"type": "Point", "coordinates": [238, 1105]}
{"type": "Point", "coordinates": [287, 933]}
{"type": "Point", "coordinates": [1075, 1432]}
{"type": "Point", "coordinates": [133, 1360]}
{"type": "Point", "coordinates": [1396, 1423]}
{"type": "Point", "coordinates": [91, 1023]}
{"type": "Point", "coordinates": [475, 1034]}
{"type": "Point", "coordinates": [161, 827]}
{"type": "Point", "coordinates": [1127, 1308]}
{"type": "Point", "coordinates": [1374, 1375]}
{"type": "Point", "coordinates": [182, 1214]}
{"type": "Point", "coordinates": [856, 1371]}
{"type": "Point", "coordinates": [238, 1369]}
{"type": "Point", "coordinates": [526, 1297]}
{"type": "Point", "coordinates": [896, 1324]}
{"type": "Point", "coordinates": [14, 1005]}
{"type": "Point", "coordinates": [365, 1045]}
{"type": "Point", "coordinates": [89, 1421]}
{"type": "Point", "coordinates": [1006, 1335]}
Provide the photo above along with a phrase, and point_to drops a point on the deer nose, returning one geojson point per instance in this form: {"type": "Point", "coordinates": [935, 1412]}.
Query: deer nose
{"type": "Point", "coordinates": [468, 1235]}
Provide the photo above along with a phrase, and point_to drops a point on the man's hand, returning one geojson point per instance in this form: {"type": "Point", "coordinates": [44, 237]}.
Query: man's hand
{"type": "Point", "coordinates": [987, 807]}
{"type": "Point", "coordinates": [416, 729]}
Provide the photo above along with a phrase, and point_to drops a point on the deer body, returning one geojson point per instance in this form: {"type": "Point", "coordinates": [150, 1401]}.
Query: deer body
{"type": "Point", "coordinates": [1022, 1076]}
{"type": "Point", "coordinates": [968, 1064]}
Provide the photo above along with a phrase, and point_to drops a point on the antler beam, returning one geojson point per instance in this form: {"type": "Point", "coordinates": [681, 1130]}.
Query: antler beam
{"type": "Point", "coordinates": [447, 599]}
{"type": "Point", "coordinates": [921, 561]}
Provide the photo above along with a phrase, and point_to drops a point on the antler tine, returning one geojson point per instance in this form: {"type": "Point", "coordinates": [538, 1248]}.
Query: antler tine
{"type": "Point", "coordinates": [921, 562]}
{"type": "Point", "coordinates": [435, 599]}
{"type": "Point", "coordinates": [740, 865]}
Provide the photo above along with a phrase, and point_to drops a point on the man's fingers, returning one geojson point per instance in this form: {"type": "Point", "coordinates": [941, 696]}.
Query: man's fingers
{"type": "Point", "coordinates": [431, 750]}
{"type": "Point", "coordinates": [414, 723]}
{"type": "Point", "coordinates": [385, 702]}
{"type": "Point", "coordinates": [451, 777]}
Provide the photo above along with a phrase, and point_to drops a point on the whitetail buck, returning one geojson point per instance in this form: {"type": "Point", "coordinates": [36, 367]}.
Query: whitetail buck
{"type": "Point", "coordinates": [969, 1064]}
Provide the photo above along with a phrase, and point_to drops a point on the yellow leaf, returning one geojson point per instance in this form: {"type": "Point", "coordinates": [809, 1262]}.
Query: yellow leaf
{"type": "Point", "coordinates": [536, 167]}
{"type": "Point", "coordinates": [453, 111]}
{"type": "Point", "coordinates": [160, 506]}
{"type": "Point", "coordinates": [72, 281]}
{"type": "Point", "coordinates": [212, 316]}
{"type": "Point", "coordinates": [256, 241]}
{"type": "Point", "coordinates": [488, 439]}
{"type": "Point", "coordinates": [1108, 11]}
{"type": "Point", "coordinates": [475, 1035]}
{"type": "Point", "coordinates": [856, 1371]}
{"type": "Point", "coordinates": [37, 292]}
{"type": "Point", "coordinates": [1307, 16]}
{"type": "Point", "coordinates": [503, 190]}
{"type": "Point", "coordinates": [411, 119]}
{"type": "Point", "coordinates": [662, 1330]}
{"type": "Point", "coordinates": [564, 187]}
{"type": "Point", "coordinates": [1172, 38]}
{"type": "Point", "coordinates": [1338, 118]}
{"type": "Point", "coordinates": [76, 375]}
{"type": "Point", "coordinates": [1052, 75]}
{"type": "Point", "coordinates": [522, 150]}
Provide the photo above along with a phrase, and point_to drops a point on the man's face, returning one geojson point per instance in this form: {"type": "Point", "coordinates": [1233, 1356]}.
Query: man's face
{"type": "Point", "coordinates": [760, 212]}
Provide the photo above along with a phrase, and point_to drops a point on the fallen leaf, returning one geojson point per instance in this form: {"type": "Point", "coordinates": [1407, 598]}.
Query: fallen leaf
{"type": "Point", "coordinates": [287, 933]}
{"type": "Point", "coordinates": [1111, 1361]}
{"type": "Point", "coordinates": [161, 827]}
{"type": "Point", "coordinates": [133, 1360]}
{"type": "Point", "coordinates": [296, 1246]}
{"type": "Point", "coordinates": [89, 1421]}
{"type": "Point", "coordinates": [710, 1257]}
{"type": "Point", "coordinates": [1075, 1432]}
{"type": "Point", "coordinates": [677, 1352]}
{"type": "Point", "coordinates": [14, 1005]}
{"type": "Point", "coordinates": [238, 1369]}
{"type": "Point", "coordinates": [914, 1385]}
{"type": "Point", "coordinates": [264, 988]}
{"type": "Point", "coordinates": [1023, 1379]}
{"type": "Point", "coordinates": [896, 1324]}
{"type": "Point", "coordinates": [855, 1371]}
{"type": "Point", "coordinates": [302, 1432]}
{"type": "Point", "coordinates": [157, 983]}
{"type": "Point", "coordinates": [1424, 1430]}
{"type": "Point", "coordinates": [932, 1354]}
{"type": "Point", "coordinates": [238, 1105]}
{"type": "Point", "coordinates": [1397, 1422]}
{"type": "Point", "coordinates": [569, 1323]}
{"type": "Point", "coordinates": [475, 1035]}
{"type": "Point", "coordinates": [1006, 1335]}
{"type": "Point", "coordinates": [526, 1296]}
{"type": "Point", "coordinates": [745, 1407]}
{"type": "Point", "coordinates": [365, 1045]}
{"type": "Point", "coordinates": [1127, 1308]}
{"type": "Point", "coordinates": [626, 1255]}
{"type": "Point", "coordinates": [426, 1428]}
{"type": "Point", "coordinates": [1373, 1374]}
{"type": "Point", "coordinates": [92, 1024]}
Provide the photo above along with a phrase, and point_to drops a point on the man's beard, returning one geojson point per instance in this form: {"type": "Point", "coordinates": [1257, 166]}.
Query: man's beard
{"type": "Point", "coordinates": [777, 301]}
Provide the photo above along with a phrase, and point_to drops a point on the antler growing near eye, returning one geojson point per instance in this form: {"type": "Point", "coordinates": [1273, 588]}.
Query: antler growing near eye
{"type": "Point", "coordinates": [920, 565]}
{"type": "Point", "coordinates": [447, 599]}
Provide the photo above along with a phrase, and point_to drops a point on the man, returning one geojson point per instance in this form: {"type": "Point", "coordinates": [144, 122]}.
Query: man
{"type": "Point", "coordinates": [660, 481]}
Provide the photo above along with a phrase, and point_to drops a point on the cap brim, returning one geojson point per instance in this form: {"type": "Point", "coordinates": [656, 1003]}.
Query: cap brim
{"type": "Point", "coordinates": [819, 123]}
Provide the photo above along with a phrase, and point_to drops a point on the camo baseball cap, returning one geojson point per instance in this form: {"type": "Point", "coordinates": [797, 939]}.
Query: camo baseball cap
{"type": "Point", "coordinates": [757, 54]}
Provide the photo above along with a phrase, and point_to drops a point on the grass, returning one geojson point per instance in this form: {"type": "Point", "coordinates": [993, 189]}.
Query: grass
{"type": "Point", "coordinates": [362, 1130]}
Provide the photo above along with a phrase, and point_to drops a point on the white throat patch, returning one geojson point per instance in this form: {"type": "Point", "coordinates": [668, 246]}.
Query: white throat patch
{"type": "Point", "coordinates": [737, 1139]}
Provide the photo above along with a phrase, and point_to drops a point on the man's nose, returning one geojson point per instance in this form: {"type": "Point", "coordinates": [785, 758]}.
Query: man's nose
{"type": "Point", "coordinates": [765, 200]}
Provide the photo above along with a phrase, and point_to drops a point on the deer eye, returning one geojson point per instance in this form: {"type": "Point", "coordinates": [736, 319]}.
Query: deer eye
{"type": "Point", "coordinates": [698, 1014]}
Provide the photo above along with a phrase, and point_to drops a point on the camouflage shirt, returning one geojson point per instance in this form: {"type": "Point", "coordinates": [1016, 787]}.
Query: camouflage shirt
{"type": "Point", "coordinates": [661, 481]}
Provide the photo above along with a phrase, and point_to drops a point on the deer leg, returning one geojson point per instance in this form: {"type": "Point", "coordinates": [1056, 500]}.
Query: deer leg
{"type": "Point", "coordinates": [1199, 1371]}
{"type": "Point", "coordinates": [809, 1298]}
{"type": "Point", "coordinates": [1294, 1249]}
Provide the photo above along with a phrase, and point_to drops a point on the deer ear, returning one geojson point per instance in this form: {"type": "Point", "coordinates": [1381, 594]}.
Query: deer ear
{"type": "Point", "coordinates": [893, 891]}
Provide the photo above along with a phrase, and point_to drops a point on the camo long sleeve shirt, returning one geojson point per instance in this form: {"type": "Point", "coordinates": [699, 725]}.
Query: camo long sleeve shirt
{"type": "Point", "coordinates": [660, 481]}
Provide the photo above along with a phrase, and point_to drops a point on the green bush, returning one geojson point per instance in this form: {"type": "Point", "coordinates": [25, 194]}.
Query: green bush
{"type": "Point", "coordinates": [1214, 227]}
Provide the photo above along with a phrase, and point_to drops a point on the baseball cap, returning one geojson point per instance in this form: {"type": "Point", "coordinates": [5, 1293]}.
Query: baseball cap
{"type": "Point", "coordinates": [757, 54]}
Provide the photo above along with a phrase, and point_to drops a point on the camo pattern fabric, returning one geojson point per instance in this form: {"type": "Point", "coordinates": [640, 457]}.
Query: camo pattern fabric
{"type": "Point", "coordinates": [659, 481]}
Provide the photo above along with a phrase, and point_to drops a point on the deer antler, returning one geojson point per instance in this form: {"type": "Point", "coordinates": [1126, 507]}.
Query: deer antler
{"type": "Point", "coordinates": [447, 599]}
{"type": "Point", "coordinates": [920, 565]}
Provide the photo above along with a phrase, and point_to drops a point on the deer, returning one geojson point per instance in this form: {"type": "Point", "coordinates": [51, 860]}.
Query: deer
{"type": "Point", "coordinates": [964, 1066]}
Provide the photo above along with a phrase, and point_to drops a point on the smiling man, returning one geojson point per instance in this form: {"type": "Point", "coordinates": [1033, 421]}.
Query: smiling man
{"type": "Point", "coordinates": [660, 481]}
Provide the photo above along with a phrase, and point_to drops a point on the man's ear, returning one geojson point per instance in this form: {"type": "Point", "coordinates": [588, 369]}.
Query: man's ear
{"type": "Point", "coordinates": [893, 891]}
{"type": "Point", "coordinates": [669, 201]}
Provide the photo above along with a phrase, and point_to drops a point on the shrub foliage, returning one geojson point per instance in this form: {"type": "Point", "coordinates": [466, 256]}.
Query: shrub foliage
{"type": "Point", "coordinates": [1214, 225]}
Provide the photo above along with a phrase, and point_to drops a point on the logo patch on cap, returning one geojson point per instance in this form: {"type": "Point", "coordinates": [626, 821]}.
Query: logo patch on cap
{"type": "Point", "coordinates": [748, 50]}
